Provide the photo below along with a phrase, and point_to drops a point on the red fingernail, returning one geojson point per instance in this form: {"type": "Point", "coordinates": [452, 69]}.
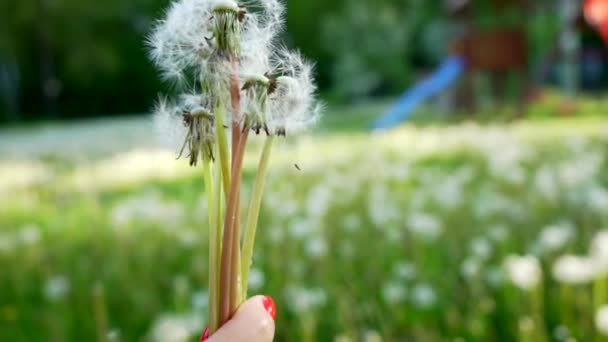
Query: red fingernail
{"type": "Point", "coordinates": [270, 306]}
{"type": "Point", "coordinates": [205, 335]}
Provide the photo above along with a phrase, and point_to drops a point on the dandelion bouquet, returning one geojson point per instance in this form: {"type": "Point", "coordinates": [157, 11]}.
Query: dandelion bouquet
{"type": "Point", "coordinates": [238, 81]}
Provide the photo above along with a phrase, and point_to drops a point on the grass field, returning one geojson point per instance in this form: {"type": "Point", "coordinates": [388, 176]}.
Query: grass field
{"type": "Point", "coordinates": [465, 232]}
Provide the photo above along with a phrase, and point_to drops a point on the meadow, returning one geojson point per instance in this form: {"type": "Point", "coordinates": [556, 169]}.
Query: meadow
{"type": "Point", "coordinates": [463, 232]}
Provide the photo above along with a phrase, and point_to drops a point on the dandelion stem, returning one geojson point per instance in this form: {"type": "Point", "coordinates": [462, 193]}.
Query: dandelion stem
{"type": "Point", "coordinates": [253, 214]}
{"type": "Point", "coordinates": [211, 188]}
{"type": "Point", "coordinates": [235, 267]}
{"type": "Point", "coordinates": [235, 98]}
{"type": "Point", "coordinates": [229, 276]}
{"type": "Point", "coordinates": [230, 270]}
{"type": "Point", "coordinates": [222, 141]}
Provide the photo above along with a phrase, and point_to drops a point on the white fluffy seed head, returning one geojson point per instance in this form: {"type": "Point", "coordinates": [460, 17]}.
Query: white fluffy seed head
{"type": "Point", "coordinates": [599, 252]}
{"type": "Point", "coordinates": [601, 320]}
{"type": "Point", "coordinates": [293, 104]}
{"type": "Point", "coordinates": [524, 271]}
{"type": "Point", "coordinates": [180, 42]}
{"type": "Point", "coordinates": [169, 118]}
{"type": "Point", "coordinates": [168, 123]}
{"type": "Point", "coordinates": [575, 270]}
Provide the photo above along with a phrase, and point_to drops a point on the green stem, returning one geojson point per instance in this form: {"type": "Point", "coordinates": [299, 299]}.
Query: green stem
{"type": "Point", "coordinates": [222, 141]}
{"type": "Point", "coordinates": [253, 214]}
{"type": "Point", "coordinates": [210, 189]}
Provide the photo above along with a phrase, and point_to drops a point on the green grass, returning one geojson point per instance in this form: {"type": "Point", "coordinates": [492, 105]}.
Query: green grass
{"type": "Point", "coordinates": [402, 234]}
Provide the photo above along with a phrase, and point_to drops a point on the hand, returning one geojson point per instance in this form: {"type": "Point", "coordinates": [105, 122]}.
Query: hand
{"type": "Point", "coordinates": [253, 322]}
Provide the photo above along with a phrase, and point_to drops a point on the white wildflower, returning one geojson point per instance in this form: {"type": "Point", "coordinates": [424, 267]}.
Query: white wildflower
{"type": "Point", "coordinates": [471, 268]}
{"type": "Point", "coordinates": [599, 252]}
{"type": "Point", "coordinates": [200, 301]}
{"type": "Point", "coordinates": [319, 201]}
{"type": "Point", "coordinates": [597, 198]}
{"type": "Point", "coordinates": [30, 234]}
{"type": "Point", "coordinates": [545, 183]}
{"type": "Point", "coordinates": [304, 300]}
{"type": "Point", "coordinates": [524, 271]}
{"type": "Point", "coordinates": [405, 270]}
{"type": "Point", "coordinates": [481, 248]}
{"type": "Point", "coordinates": [425, 225]}
{"type": "Point", "coordinates": [556, 236]}
{"type": "Point", "coordinates": [147, 207]}
{"type": "Point", "coordinates": [56, 288]}
{"type": "Point", "coordinates": [561, 333]}
{"type": "Point", "coordinates": [601, 320]}
{"type": "Point", "coordinates": [372, 336]}
{"type": "Point", "coordinates": [424, 296]}
{"type": "Point", "coordinates": [394, 293]}
{"type": "Point", "coordinates": [571, 269]}
{"type": "Point", "coordinates": [256, 279]}
{"type": "Point", "coordinates": [301, 228]}
{"type": "Point", "coordinates": [175, 328]}
{"type": "Point", "coordinates": [316, 247]}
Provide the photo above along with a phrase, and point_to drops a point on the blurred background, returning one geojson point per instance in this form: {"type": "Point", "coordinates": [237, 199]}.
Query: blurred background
{"type": "Point", "coordinates": [455, 189]}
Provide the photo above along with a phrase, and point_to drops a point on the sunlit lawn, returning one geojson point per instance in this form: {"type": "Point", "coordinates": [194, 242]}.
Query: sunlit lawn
{"type": "Point", "coordinates": [403, 234]}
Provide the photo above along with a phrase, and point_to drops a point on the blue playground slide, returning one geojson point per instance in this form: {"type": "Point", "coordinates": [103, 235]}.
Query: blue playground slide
{"type": "Point", "coordinates": [446, 74]}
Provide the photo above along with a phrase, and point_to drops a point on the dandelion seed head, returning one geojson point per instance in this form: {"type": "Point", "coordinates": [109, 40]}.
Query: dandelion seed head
{"type": "Point", "coordinates": [180, 41]}
{"type": "Point", "coordinates": [556, 236]}
{"type": "Point", "coordinates": [292, 105]}
{"type": "Point", "coordinates": [572, 269]}
{"type": "Point", "coordinates": [56, 288]}
{"type": "Point", "coordinates": [601, 320]}
{"type": "Point", "coordinates": [394, 293]}
{"type": "Point", "coordinates": [524, 271]}
{"type": "Point", "coordinates": [424, 296]}
{"type": "Point", "coordinates": [599, 252]}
